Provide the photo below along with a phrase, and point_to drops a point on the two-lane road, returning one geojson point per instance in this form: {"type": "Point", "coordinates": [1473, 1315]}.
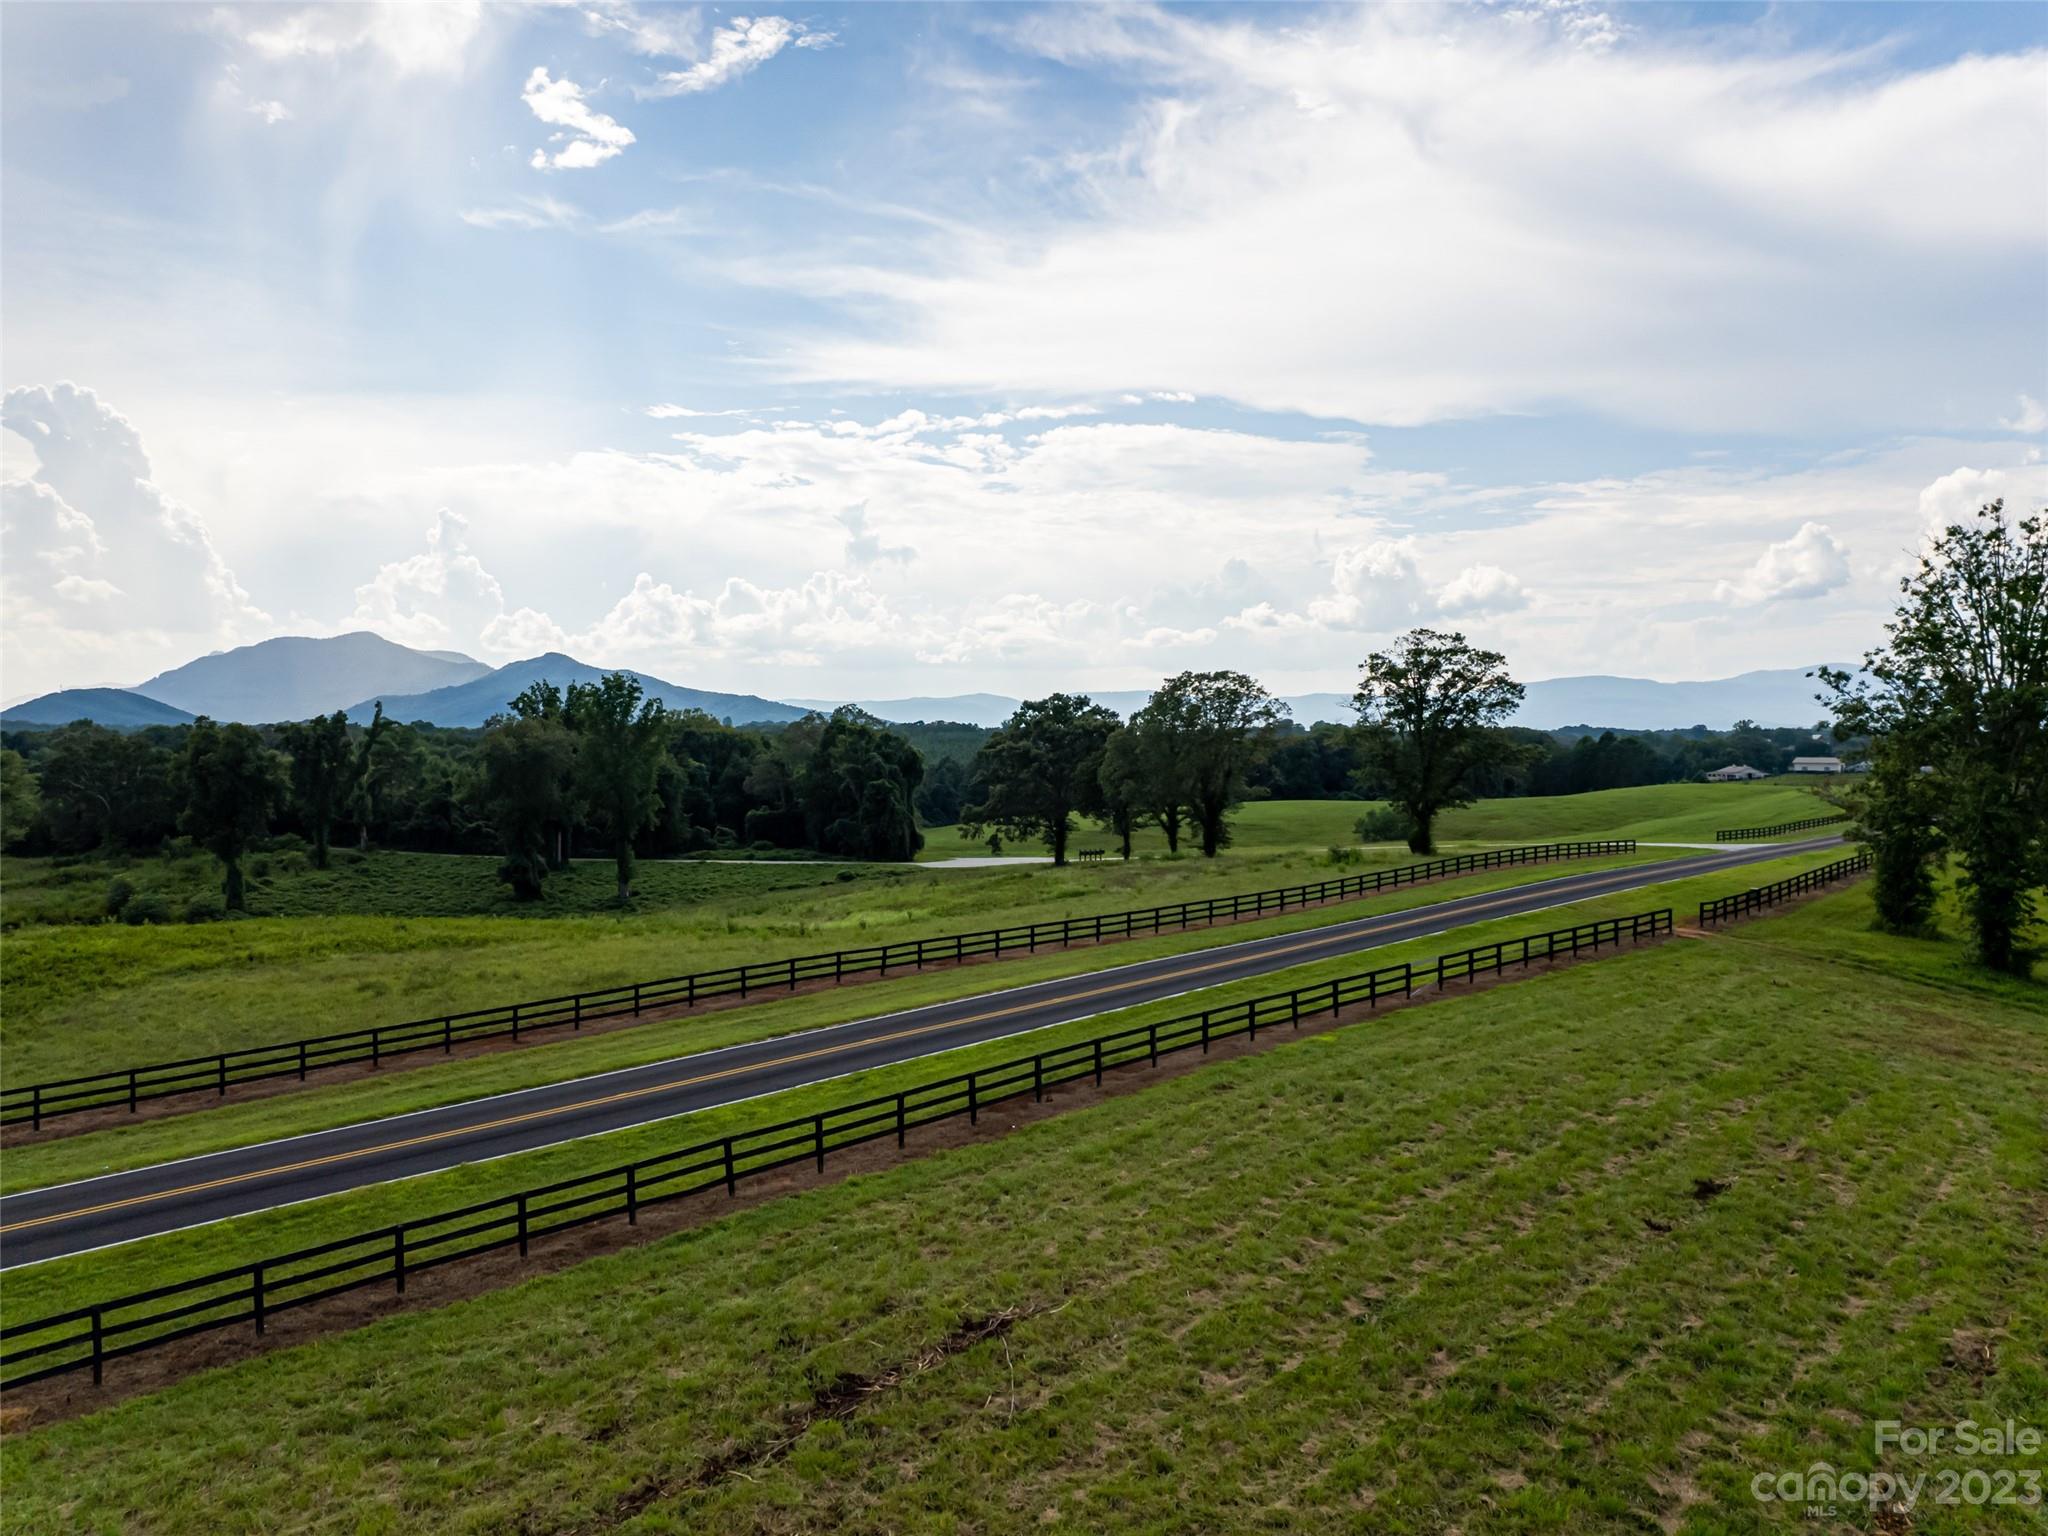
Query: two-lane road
{"type": "Point", "coordinates": [92, 1213]}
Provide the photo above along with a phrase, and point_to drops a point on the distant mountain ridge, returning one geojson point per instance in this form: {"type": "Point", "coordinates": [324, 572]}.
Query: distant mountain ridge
{"type": "Point", "coordinates": [116, 708]}
{"type": "Point", "coordinates": [1775, 697]}
{"type": "Point", "coordinates": [295, 677]}
{"type": "Point", "coordinates": [472, 703]}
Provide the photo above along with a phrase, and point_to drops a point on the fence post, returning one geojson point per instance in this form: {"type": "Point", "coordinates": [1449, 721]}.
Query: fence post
{"type": "Point", "coordinates": [99, 1347]}
{"type": "Point", "coordinates": [818, 1130]}
{"type": "Point", "coordinates": [522, 1224]}
{"type": "Point", "coordinates": [256, 1293]}
{"type": "Point", "coordinates": [515, 1021]}
{"type": "Point", "coordinates": [732, 1183]}
{"type": "Point", "coordinates": [1038, 1078]}
{"type": "Point", "coordinates": [1294, 1000]}
{"type": "Point", "coordinates": [222, 1061]}
{"type": "Point", "coordinates": [1154, 1041]}
{"type": "Point", "coordinates": [636, 999]}
{"type": "Point", "coordinates": [792, 973]}
{"type": "Point", "coordinates": [1098, 1062]}
{"type": "Point", "coordinates": [899, 1120]}
{"type": "Point", "coordinates": [632, 1194]}
{"type": "Point", "coordinates": [131, 1097]}
{"type": "Point", "coordinates": [690, 991]}
{"type": "Point", "coordinates": [376, 1043]}
{"type": "Point", "coordinates": [35, 1108]}
{"type": "Point", "coordinates": [576, 1005]}
{"type": "Point", "coordinates": [398, 1247]}
{"type": "Point", "coordinates": [302, 1061]}
{"type": "Point", "coordinates": [973, 1100]}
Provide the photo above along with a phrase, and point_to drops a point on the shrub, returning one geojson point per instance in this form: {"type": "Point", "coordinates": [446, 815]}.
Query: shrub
{"type": "Point", "coordinates": [1382, 824]}
{"type": "Point", "coordinates": [205, 909]}
{"type": "Point", "coordinates": [146, 907]}
{"type": "Point", "coordinates": [119, 893]}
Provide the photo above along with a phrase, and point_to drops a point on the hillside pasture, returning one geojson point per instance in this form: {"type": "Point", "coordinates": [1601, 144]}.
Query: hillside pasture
{"type": "Point", "coordinates": [1589, 1251]}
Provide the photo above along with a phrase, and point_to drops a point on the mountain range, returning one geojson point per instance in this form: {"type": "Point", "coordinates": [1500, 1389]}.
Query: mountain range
{"type": "Point", "coordinates": [295, 677]}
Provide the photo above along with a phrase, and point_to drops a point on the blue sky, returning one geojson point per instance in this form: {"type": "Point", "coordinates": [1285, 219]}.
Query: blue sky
{"type": "Point", "coordinates": [876, 349]}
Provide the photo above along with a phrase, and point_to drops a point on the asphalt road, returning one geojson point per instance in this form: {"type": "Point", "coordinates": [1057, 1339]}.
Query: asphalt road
{"type": "Point", "coordinates": [92, 1213]}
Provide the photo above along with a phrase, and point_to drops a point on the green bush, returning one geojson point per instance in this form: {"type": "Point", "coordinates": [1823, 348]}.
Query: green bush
{"type": "Point", "coordinates": [205, 909]}
{"type": "Point", "coordinates": [1383, 824]}
{"type": "Point", "coordinates": [119, 893]}
{"type": "Point", "coordinates": [146, 907]}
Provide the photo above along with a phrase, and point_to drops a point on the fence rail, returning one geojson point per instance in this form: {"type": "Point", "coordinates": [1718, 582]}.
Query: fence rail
{"type": "Point", "coordinates": [1744, 834]}
{"type": "Point", "coordinates": [32, 1104]}
{"type": "Point", "coordinates": [1757, 898]}
{"type": "Point", "coordinates": [250, 1294]}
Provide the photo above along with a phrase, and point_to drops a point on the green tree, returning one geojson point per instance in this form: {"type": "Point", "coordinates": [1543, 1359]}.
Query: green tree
{"type": "Point", "coordinates": [858, 788]}
{"type": "Point", "coordinates": [368, 774]}
{"type": "Point", "coordinates": [943, 792]}
{"type": "Point", "coordinates": [1041, 769]}
{"type": "Point", "coordinates": [1213, 726]}
{"type": "Point", "coordinates": [1898, 810]}
{"type": "Point", "coordinates": [1124, 787]}
{"type": "Point", "coordinates": [1160, 777]}
{"type": "Point", "coordinates": [1426, 710]}
{"type": "Point", "coordinates": [20, 800]}
{"type": "Point", "coordinates": [105, 789]}
{"type": "Point", "coordinates": [524, 786]}
{"type": "Point", "coordinates": [321, 761]}
{"type": "Point", "coordinates": [621, 744]}
{"type": "Point", "coordinates": [1961, 681]}
{"type": "Point", "coordinates": [233, 784]}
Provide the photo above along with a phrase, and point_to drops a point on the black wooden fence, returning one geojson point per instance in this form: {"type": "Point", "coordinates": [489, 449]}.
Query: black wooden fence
{"type": "Point", "coordinates": [1756, 899]}
{"type": "Point", "coordinates": [250, 1294]}
{"type": "Point", "coordinates": [34, 1103]}
{"type": "Point", "coordinates": [1746, 834]}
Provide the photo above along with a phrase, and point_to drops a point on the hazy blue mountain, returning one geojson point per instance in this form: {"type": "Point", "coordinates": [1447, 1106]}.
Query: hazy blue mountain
{"type": "Point", "coordinates": [117, 708]}
{"type": "Point", "coordinates": [475, 701]}
{"type": "Point", "coordinates": [297, 676]}
{"type": "Point", "coordinates": [1783, 696]}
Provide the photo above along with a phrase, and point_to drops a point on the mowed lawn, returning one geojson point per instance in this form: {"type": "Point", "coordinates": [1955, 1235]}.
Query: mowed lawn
{"type": "Point", "coordinates": [83, 998]}
{"type": "Point", "coordinates": [1585, 1252]}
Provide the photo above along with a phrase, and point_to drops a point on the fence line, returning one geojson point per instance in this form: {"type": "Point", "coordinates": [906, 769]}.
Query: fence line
{"type": "Point", "coordinates": [1744, 834]}
{"type": "Point", "coordinates": [1759, 897]}
{"type": "Point", "coordinates": [34, 1103]}
{"type": "Point", "coordinates": [250, 1294]}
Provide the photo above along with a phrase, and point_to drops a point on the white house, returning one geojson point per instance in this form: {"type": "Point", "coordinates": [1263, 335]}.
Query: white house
{"type": "Point", "coordinates": [1733, 772]}
{"type": "Point", "coordinates": [1816, 765]}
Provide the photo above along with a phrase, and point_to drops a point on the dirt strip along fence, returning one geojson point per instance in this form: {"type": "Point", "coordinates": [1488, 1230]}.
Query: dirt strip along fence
{"type": "Point", "coordinates": [1724, 908]}
{"type": "Point", "coordinates": [32, 1104]}
{"type": "Point", "coordinates": [1749, 834]}
{"type": "Point", "coordinates": [85, 1338]}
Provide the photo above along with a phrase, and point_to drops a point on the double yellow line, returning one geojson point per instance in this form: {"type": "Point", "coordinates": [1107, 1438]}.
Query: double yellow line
{"type": "Point", "coordinates": [863, 1043]}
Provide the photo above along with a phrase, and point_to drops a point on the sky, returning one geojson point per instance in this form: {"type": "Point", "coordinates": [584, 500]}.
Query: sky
{"type": "Point", "coordinates": [879, 350]}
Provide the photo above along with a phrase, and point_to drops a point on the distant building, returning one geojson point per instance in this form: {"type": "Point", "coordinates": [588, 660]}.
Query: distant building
{"type": "Point", "coordinates": [1733, 772]}
{"type": "Point", "coordinates": [1816, 765]}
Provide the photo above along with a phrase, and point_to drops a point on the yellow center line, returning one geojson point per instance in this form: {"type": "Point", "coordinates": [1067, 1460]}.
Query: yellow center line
{"type": "Point", "coordinates": [580, 1105]}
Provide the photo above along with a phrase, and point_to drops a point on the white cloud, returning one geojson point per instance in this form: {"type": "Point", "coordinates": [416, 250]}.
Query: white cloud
{"type": "Point", "coordinates": [88, 526]}
{"type": "Point", "coordinates": [1481, 589]}
{"type": "Point", "coordinates": [526, 213]}
{"type": "Point", "coordinates": [588, 138]}
{"type": "Point", "coordinates": [1811, 563]}
{"type": "Point", "coordinates": [1418, 215]}
{"type": "Point", "coordinates": [413, 37]}
{"type": "Point", "coordinates": [744, 44]}
{"type": "Point", "coordinates": [438, 598]}
{"type": "Point", "coordinates": [683, 412]}
{"type": "Point", "coordinates": [2032, 416]}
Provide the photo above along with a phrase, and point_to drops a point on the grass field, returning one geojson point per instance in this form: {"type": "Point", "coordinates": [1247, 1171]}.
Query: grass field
{"type": "Point", "coordinates": [1587, 1252]}
{"type": "Point", "coordinates": [61, 1283]}
{"type": "Point", "coordinates": [430, 1081]}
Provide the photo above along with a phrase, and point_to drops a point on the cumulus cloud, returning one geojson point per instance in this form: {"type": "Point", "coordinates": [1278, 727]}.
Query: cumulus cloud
{"type": "Point", "coordinates": [101, 562]}
{"type": "Point", "coordinates": [440, 597]}
{"type": "Point", "coordinates": [1812, 563]}
{"type": "Point", "coordinates": [1481, 589]}
{"type": "Point", "coordinates": [742, 45]}
{"type": "Point", "coordinates": [2032, 416]}
{"type": "Point", "coordinates": [587, 137]}
{"type": "Point", "coordinates": [1422, 215]}
{"type": "Point", "coordinates": [1379, 587]}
